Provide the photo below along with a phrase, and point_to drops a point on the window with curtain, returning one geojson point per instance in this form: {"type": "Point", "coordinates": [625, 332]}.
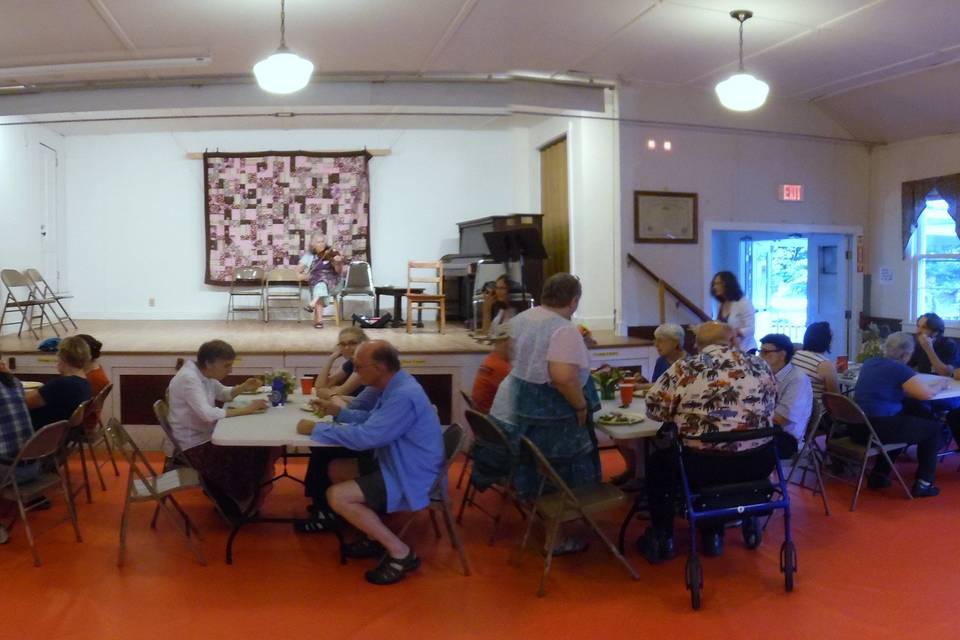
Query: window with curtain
{"type": "Point", "coordinates": [936, 263]}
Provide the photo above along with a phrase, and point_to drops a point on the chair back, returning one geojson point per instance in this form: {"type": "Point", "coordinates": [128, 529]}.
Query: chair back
{"type": "Point", "coordinates": [484, 429]}
{"type": "Point", "coordinates": [44, 443]}
{"type": "Point", "coordinates": [547, 472]}
{"type": "Point", "coordinates": [13, 278]}
{"type": "Point", "coordinates": [79, 415]}
{"type": "Point", "coordinates": [252, 274]}
{"type": "Point", "coordinates": [139, 465]}
{"type": "Point", "coordinates": [96, 407]}
{"type": "Point", "coordinates": [38, 281]}
{"type": "Point", "coordinates": [840, 408]}
{"type": "Point", "coordinates": [283, 274]}
{"type": "Point", "coordinates": [815, 417]}
{"type": "Point", "coordinates": [452, 442]}
{"type": "Point", "coordinates": [162, 412]}
{"type": "Point", "coordinates": [416, 275]}
{"type": "Point", "coordinates": [359, 276]}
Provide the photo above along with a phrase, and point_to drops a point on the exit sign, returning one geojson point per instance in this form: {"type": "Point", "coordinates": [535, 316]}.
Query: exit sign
{"type": "Point", "coordinates": [791, 192]}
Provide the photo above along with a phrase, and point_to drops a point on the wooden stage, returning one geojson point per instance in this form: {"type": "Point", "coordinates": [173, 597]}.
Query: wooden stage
{"type": "Point", "coordinates": [140, 357]}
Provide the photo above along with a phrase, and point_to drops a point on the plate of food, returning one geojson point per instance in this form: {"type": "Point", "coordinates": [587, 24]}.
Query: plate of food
{"type": "Point", "coordinates": [619, 419]}
{"type": "Point", "coordinates": [31, 384]}
{"type": "Point", "coordinates": [263, 389]}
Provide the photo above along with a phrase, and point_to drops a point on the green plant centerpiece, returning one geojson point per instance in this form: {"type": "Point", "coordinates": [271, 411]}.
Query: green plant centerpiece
{"type": "Point", "coordinates": [289, 383]}
{"type": "Point", "coordinates": [871, 345]}
{"type": "Point", "coordinates": [607, 378]}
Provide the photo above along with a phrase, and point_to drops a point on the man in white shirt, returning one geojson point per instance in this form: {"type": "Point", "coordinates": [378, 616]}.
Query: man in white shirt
{"type": "Point", "coordinates": [193, 394]}
{"type": "Point", "coordinates": [794, 392]}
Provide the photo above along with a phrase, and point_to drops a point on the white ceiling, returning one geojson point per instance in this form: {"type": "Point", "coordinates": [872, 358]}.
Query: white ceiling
{"type": "Point", "coordinates": [885, 69]}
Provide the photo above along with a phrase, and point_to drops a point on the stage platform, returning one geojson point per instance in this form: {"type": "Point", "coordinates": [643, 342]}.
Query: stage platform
{"type": "Point", "coordinates": [140, 357]}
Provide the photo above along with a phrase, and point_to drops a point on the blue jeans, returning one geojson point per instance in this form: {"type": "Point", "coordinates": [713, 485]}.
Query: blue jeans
{"type": "Point", "coordinates": [25, 473]}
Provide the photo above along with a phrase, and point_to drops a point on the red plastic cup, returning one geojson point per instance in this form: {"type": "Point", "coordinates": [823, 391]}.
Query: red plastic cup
{"type": "Point", "coordinates": [842, 363]}
{"type": "Point", "coordinates": [626, 393]}
{"type": "Point", "coordinates": [306, 385]}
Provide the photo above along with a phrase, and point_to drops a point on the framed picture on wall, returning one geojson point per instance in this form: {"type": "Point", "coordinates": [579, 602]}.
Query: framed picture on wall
{"type": "Point", "coordinates": [665, 217]}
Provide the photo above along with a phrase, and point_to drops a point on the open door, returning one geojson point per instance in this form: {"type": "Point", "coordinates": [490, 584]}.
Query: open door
{"type": "Point", "coordinates": [828, 285]}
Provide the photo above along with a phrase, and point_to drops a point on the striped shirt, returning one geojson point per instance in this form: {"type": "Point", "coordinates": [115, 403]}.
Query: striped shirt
{"type": "Point", "coordinates": [808, 361]}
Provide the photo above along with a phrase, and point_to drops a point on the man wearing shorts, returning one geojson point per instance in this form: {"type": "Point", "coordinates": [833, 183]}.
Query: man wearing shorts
{"type": "Point", "coordinates": [404, 432]}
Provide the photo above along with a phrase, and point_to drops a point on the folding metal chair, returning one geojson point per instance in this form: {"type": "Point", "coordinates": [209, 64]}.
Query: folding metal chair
{"type": "Point", "coordinates": [566, 505]}
{"type": "Point", "coordinates": [22, 299]}
{"type": "Point", "coordinates": [842, 409]}
{"type": "Point", "coordinates": [810, 457]}
{"type": "Point", "coordinates": [283, 285]}
{"type": "Point", "coordinates": [45, 292]}
{"type": "Point", "coordinates": [453, 439]}
{"type": "Point", "coordinates": [76, 439]}
{"type": "Point", "coordinates": [145, 485]}
{"type": "Point", "coordinates": [248, 282]}
{"type": "Point", "coordinates": [45, 445]}
{"type": "Point", "coordinates": [94, 435]}
{"type": "Point", "coordinates": [359, 282]}
{"type": "Point", "coordinates": [468, 401]}
{"type": "Point", "coordinates": [486, 433]}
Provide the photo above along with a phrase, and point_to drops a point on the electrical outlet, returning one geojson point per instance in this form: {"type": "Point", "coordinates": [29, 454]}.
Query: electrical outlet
{"type": "Point", "coordinates": [152, 302]}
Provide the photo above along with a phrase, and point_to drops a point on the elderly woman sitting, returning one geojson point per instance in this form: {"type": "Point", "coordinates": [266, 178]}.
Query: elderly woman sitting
{"type": "Point", "coordinates": [883, 386]}
{"type": "Point", "coordinates": [668, 341]}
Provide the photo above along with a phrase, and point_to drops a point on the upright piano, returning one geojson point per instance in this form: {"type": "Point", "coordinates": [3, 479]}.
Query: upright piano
{"type": "Point", "coordinates": [458, 268]}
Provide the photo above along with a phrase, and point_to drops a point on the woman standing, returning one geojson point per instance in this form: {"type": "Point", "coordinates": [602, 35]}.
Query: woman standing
{"type": "Point", "coordinates": [735, 309]}
{"type": "Point", "coordinates": [320, 267]}
{"type": "Point", "coordinates": [547, 397]}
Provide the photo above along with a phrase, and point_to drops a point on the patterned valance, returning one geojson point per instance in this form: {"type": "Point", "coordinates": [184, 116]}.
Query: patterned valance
{"type": "Point", "coordinates": [914, 196]}
{"type": "Point", "coordinates": [262, 208]}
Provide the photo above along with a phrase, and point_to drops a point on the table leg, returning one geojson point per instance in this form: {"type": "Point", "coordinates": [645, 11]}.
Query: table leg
{"type": "Point", "coordinates": [376, 305]}
{"type": "Point", "coordinates": [398, 309]}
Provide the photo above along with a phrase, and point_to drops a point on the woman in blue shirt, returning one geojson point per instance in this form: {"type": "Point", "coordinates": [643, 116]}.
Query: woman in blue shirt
{"type": "Point", "coordinates": [883, 385]}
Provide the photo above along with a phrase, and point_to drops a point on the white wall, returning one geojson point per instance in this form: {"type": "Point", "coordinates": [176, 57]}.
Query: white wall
{"type": "Point", "coordinates": [891, 165]}
{"type": "Point", "coordinates": [135, 203]}
{"type": "Point", "coordinates": [21, 184]}
{"type": "Point", "coordinates": [735, 176]}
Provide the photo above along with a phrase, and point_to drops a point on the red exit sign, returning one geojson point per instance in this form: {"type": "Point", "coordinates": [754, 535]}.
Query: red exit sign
{"type": "Point", "coordinates": [791, 192]}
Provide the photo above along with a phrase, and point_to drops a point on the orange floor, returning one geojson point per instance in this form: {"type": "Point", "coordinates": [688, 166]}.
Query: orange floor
{"type": "Point", "coordinates": [889, 570]}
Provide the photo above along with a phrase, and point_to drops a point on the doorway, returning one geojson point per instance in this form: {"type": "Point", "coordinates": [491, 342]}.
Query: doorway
{"type": "Point", "coordinates": [792, 279]}
{"type": "Point", "coordinates": [554, 207]}
{"type": "Point", "coordinates": [49, 246]}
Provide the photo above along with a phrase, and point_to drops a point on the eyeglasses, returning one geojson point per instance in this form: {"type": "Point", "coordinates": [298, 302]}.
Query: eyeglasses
{"type": "Point", "coordinates": [769, 350]}
{"type": "Point", "coordinates": [348, 343]}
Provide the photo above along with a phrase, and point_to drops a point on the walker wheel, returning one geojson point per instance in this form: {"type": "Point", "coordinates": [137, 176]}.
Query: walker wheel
{"type": "Point", "coordinates": [694, 579]}
{"type": "Point", "coordinates": [788, 564]}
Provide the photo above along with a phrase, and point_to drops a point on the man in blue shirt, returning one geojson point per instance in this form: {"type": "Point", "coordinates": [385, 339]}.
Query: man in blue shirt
{"type": "Point", "coordinates": [404, 432]}
{"type": "Point", "coordinates": [794, 392]}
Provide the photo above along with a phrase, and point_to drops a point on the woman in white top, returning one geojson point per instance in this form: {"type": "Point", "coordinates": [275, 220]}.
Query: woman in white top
{"type": "Point", "coordinates": [735, 308]}
{"type": "Point", "coordinates": [810, 360]}
{"type": "Point", "coordinates": [548, 397]}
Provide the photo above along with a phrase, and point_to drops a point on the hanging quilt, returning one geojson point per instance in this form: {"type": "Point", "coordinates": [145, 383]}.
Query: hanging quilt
{"type": "Point", "coordinates": [263, 208]}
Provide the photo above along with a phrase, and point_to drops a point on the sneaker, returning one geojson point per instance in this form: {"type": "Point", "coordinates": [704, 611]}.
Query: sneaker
{"type": "Point", "coordinates": [924, 491]}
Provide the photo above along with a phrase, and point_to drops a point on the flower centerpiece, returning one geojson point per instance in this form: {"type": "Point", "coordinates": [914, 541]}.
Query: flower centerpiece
{"type": "Point", "coordinates": [607, 378]}
{"type": "Point", "coordinates": [289, 383]}
{"type": "Point", "coordinates": [870, 346]}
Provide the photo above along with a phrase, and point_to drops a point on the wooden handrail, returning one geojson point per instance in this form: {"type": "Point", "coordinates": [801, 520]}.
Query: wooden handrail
{"type": "Point", "coordinates": [662, 286]}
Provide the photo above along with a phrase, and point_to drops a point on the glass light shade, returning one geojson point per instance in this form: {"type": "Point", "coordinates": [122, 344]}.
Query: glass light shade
{"type": "Point", "coordinates": [742, 92]}
{"type": "Point", "coordinates": [283, 72]}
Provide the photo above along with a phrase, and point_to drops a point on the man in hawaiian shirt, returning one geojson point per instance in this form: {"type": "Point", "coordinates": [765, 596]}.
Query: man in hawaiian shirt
{"type": "Point", "coordinates": [719, 389]}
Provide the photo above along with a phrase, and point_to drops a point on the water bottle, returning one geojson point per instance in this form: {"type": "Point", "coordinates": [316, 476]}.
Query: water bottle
{"type": "Point", "coordinates": [277, 395]}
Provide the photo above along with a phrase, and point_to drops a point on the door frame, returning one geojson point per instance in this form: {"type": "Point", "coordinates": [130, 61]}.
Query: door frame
{"type": "Point", "coordinates": [854, 279]}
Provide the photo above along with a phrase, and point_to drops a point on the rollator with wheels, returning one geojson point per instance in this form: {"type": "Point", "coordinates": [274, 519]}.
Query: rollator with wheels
{"type": "Point", "coordinates": [743, 501]}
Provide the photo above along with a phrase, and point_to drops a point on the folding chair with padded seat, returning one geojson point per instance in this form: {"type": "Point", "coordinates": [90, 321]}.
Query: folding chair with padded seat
{"type": "Point", "coordinates": [43, 291]}
{"type": "Point", "coordinates": [453, 439]}
{"type": "Point", "coordinates": [145, 485]}
{"type": "Point", "coordinates": [487, 433]}
{"type": "Point", "coordinates": [43, 446]}
{"type": "Point", "coordinates": [566, 505]}
{"type": "Point", "coordinates": [248, 282]}
{"type": "Point", "coordinates": [842, 409]}
{"type": "Point", "coordinates": [359, 282]}
{"type": "Point", "coordinates": [22, 299]}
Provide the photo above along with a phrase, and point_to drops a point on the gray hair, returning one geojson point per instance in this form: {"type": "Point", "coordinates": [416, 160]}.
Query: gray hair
{"type": "Point", "coordinates": [671, 332]}
{"type": "Point", "coordinates": [898, 345]}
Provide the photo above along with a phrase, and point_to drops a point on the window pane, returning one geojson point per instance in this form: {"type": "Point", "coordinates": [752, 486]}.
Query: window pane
{"type": "Point", "coordinates": [938, 231]}
{"type": "Point", "coordinates": [938, 288]}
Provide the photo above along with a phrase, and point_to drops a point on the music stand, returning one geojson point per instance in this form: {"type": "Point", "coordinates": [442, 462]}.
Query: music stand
{"type": "Point", "coordinates": [520, 244]}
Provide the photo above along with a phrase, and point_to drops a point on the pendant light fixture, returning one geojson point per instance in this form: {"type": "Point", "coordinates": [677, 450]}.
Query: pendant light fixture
{"type": "Point", "coordinates": [284, 71]}
{"type": "Point", "coordinates": [742, 91]}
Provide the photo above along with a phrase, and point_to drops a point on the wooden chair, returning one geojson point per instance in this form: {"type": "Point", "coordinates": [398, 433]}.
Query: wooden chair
{"type": "Point", "coordinates": [567, 505]}
{"type": "Point", "coordinates": [490, 434]}
{"type": "Point", "coordinates": [420, 301]}
{"type": "Point", "coordinates": [145, 485]}
{"type": "Point", "coordinates": [44, 445]}
{"type": "Point", "coordinates": [248, 282]}
{"type": "Point", "coordinates": [283, 285]}
{"type": "Point", "coordinates": [453, 439]}
{"type": "Point", "coordinates": [842, 409]}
